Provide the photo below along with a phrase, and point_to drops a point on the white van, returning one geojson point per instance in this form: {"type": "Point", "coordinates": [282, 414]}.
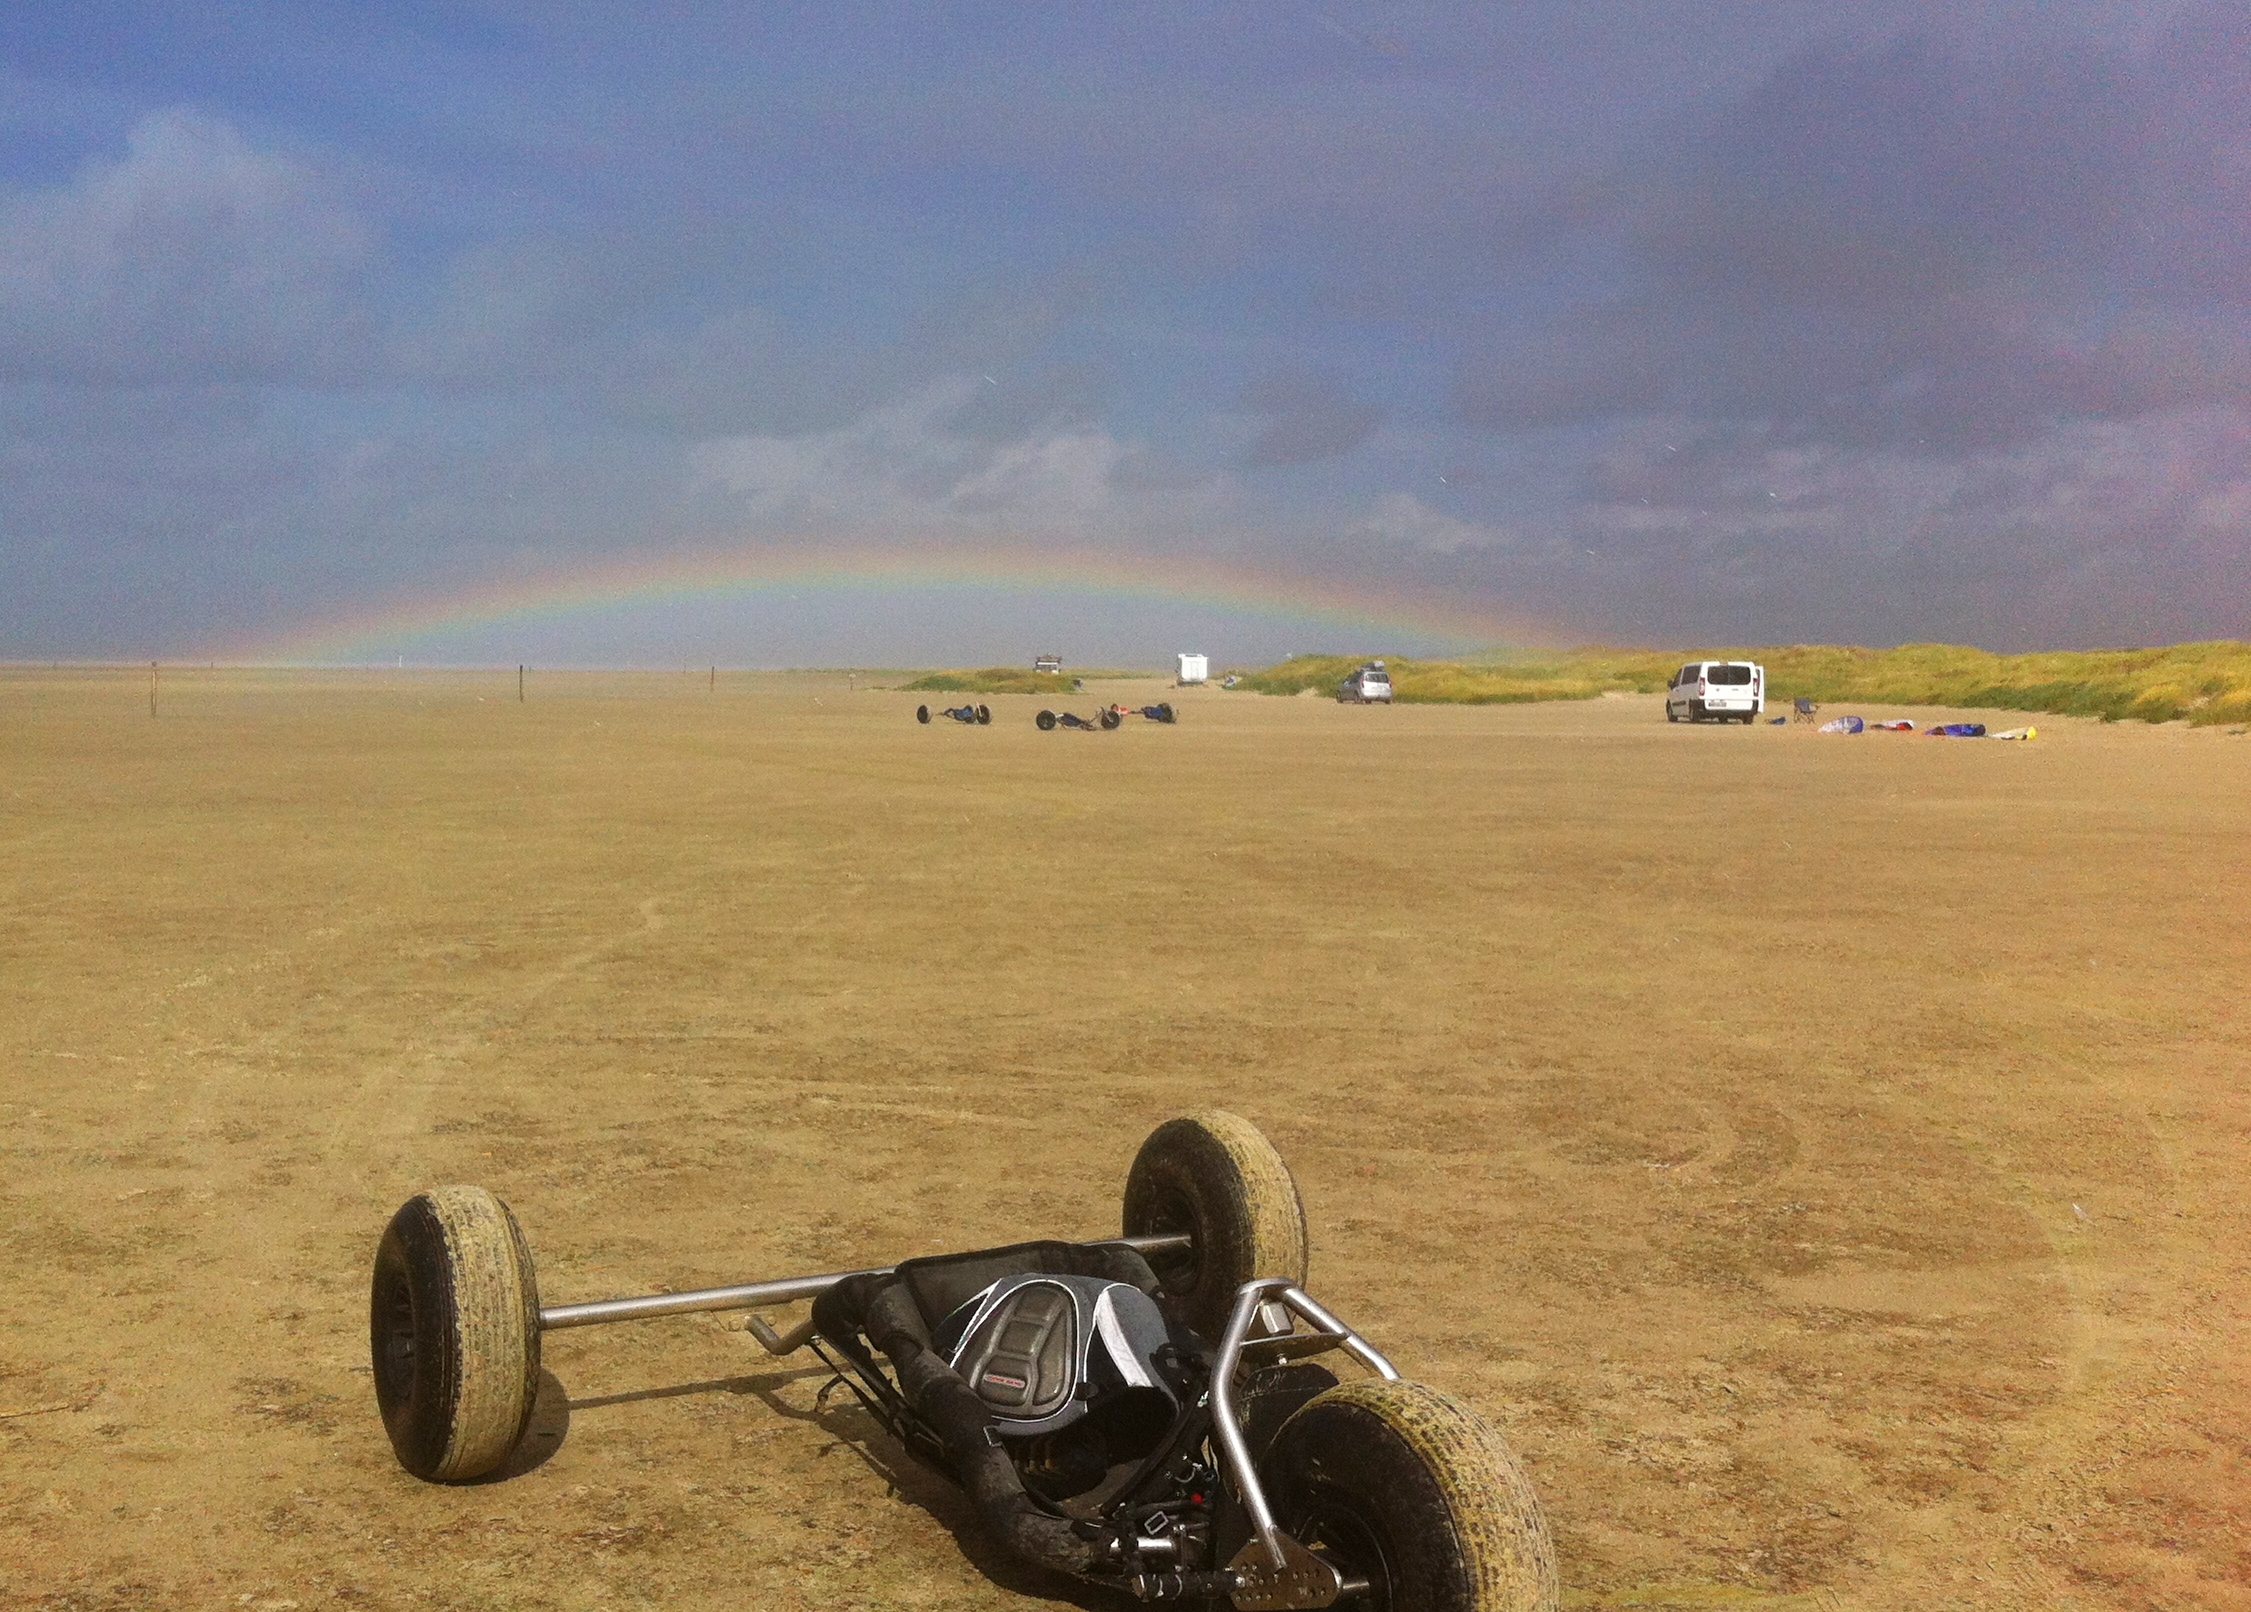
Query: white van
{"type": "Point", "coordinates": [1717, 688]}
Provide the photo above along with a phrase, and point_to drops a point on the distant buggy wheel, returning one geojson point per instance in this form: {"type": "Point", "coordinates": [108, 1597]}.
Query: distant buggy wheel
{"type": "Point", "coordinates": [453, 1323]}
{"type": "Point", "coordinates": [1402, 1486]}
{"type": "Point", "coordinates": [1110, 719]}
{"type": "Point", "coordinates": [922, 714]}
{"type": "Point", "coordinates": [1046, 721]}
{"type": "Point", "coordinates": [985, 714]}
{"type": "Point", "coordinates": [1214, 1176]}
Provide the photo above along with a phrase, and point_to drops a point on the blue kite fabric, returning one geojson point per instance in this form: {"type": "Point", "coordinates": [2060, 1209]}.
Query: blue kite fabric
{"type": "Point", "coordinates": [1842, 724]}
{"type": "Point", "coordinates": [1956, 730]}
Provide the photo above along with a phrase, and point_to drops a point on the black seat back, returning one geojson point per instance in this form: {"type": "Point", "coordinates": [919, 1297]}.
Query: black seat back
{"type": "Point", "coordinates": [1022, 1356]}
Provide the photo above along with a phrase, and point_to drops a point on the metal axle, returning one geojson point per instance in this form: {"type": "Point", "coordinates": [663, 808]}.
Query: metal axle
{"type": "Point", "coordinates": [752, 1295]}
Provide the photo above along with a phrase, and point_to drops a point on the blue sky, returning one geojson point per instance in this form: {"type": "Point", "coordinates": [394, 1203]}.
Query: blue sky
{"type": "Point", "coordinates": [1653, 322]}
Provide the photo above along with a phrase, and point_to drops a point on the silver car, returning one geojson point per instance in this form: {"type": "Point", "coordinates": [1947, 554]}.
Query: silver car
{"type": "Point", "coordinates": [1370, 685]}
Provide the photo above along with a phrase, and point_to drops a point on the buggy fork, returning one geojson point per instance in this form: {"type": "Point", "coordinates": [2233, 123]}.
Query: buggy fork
{"type": "Point", "coordinates": [1277, 1571]}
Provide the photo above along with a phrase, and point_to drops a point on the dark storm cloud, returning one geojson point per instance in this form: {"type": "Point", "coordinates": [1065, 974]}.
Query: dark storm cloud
{"type": "Point", "coordinates": [1644, 317]}
{"type": "Point", "coordinates": [2099, 531]}
{"type": "Point", "coordinates": [1308, 417]}
{"type": "Point", "coordinates": [1905, 245]}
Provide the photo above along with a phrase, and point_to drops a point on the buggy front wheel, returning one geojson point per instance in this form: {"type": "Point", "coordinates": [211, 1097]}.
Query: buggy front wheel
{"type": "Point", "coordinates": [1215, 1176]}
{"type": "Point", "coordinates": [1406, 1490]}
{"type": "Point", "coordinates": [453, 1324]}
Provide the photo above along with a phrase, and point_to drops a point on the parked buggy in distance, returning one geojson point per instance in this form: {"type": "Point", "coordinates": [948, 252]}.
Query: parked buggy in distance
{"type": "Point", "coordinates": [1142, 1412]}
{"type": "Point", "coordinates": [1104, 720]}
{"type": "Point", "coordinates": [974, 714]}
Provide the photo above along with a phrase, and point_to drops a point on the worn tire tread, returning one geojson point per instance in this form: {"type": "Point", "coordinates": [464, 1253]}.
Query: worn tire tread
{"type": "Point", "coordinates": [1256, 1219]}
{"type": "Point", "coordinates": [475, 1375]}
{"type": "Point", "coordinates": [1504, 1556]}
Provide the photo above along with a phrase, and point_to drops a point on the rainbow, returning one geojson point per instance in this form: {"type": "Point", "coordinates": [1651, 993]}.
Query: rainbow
{"type": "Point", "coordinates": [1360, 615]}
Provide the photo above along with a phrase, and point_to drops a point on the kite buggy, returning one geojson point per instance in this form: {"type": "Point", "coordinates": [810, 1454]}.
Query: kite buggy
{"type": "Point", "coordinates": [1108, 718]}
{"type": "Point", "coordinates": [975, 715]}
{"type": "Point", "coordinates": [1145, 1412]}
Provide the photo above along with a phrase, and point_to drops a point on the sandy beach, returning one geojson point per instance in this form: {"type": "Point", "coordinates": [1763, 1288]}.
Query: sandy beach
{"type": "Point", "coordinates": [1823, 1157]}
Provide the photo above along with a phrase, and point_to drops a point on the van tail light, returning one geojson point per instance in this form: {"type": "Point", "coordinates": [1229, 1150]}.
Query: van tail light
{"type": "Point", "coordinates": [1700, 688]}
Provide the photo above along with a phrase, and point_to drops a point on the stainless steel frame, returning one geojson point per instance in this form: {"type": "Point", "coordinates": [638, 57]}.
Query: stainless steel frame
{"type": "Point", "coordinates": [751, 1295]}
{"type": "Point", "coordinates": [1289, 1575]}
{"type": "Point", "coordinates": [1273, 1571]}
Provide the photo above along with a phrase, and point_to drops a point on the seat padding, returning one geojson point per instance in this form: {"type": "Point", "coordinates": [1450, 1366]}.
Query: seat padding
{"type": "Point", "coordinates": [1022, 1357]}
{"type": "Point", "coordinates": [942, 1283]}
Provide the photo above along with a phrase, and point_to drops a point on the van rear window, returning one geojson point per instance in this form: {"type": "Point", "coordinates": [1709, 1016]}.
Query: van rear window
{"type": "Point", "coordinates": [1727, 674]}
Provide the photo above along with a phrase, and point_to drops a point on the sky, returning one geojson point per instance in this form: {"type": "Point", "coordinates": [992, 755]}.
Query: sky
{"type": "Point", "coordinates": [947, 333]}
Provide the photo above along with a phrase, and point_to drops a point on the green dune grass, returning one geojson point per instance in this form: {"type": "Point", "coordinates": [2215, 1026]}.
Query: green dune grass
{"type": "Point", "coordinates": [1010, 680]}
{"type": "Point", "coordinates": [2200, 683]}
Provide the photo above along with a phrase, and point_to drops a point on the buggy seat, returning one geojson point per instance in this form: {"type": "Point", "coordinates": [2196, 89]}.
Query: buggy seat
{"type": "Point", "coordinates": [991, 1352]}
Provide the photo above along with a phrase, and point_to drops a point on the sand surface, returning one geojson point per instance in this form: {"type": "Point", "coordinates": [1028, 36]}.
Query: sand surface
{"type": "Point", "coordinates": [1825, 1158]}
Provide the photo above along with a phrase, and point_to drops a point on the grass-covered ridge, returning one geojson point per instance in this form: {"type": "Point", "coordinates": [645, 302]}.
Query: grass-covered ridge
{"type": "Point", "coordinates": [1010, 680]}
{"type": "Point", "coordinates": [2200, 683]}
{"type": "Point", "coordinates": [1571, 674]}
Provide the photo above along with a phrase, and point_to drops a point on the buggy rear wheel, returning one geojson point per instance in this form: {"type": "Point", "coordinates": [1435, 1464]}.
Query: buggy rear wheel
{"type": "Point", "coordinates": [1046, 721]}
{"type": "Point", "coordinates": [1405, 1488]}
{"type": "Point", "coordinates": [1216, 1177]}
{"type": "Point", "coordinates": [985, 715]}
{"type": "Point", "coordinates": [922, 713]}
{"type": "Point", "coordinates": [453, 1324]}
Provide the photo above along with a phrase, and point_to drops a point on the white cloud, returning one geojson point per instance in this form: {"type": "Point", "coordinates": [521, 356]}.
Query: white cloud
{"type": "Point", "coordinates": [910, 466]}
{"type": "Point", "coordinates": [1406, 521]}
{"type": "Point", "coordinates": [192, 257]}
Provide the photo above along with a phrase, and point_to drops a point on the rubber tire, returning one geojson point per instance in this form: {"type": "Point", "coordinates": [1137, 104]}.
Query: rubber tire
{"type": "Point", "coordinates": [922, 714]}
{"type": "Point", "coordinates": [1671, 715]}
{"type": "Point", "coordinates": [1110, 719]}
{"type": "Point", "coordinates": [984, 716]}
{"type": "Point", "coordinates": [453, 1328]}
{"type": "Point", "coordinates": [1405, 1474]}
{"type": "Point", "coordinates": [1215, 1176]}
{"type": "Point", "coordinates": [1165, 713]}
{"type": "Point", "coordinates": [1046, 721]}
{"type": "Point", "coordinates": [1273, 1395]}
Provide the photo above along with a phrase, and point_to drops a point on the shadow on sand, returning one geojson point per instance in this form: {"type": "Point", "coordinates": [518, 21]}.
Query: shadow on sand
{"type": "Point", "coordinates": [850, 1428]}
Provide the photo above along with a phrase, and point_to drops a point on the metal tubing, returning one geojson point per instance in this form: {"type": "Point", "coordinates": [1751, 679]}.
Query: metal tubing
{"type": "Point", "coordinates": [748, 1296]}
{"type": "Point", "coordinates": [755, 1295]}
{"type": "Point", "coordinates": [1227, 1426]}
{"type": "Point", "coordinates": [1350, 1341]}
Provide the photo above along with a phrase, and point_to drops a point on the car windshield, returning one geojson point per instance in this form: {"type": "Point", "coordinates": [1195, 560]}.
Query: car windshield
{"type": "Point", "coordinates": [1728, 674]}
